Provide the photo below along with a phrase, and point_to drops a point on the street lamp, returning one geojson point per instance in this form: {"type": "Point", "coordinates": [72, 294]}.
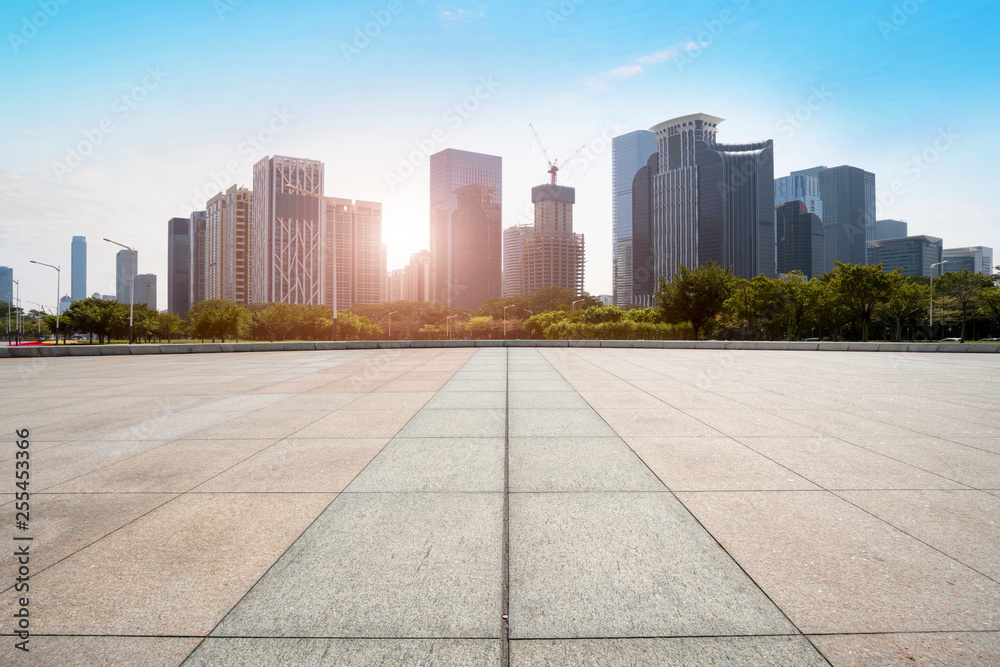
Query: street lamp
{"type": "Point", "coordinates": [505, 320]}
{"type": "Point", "coordinates": [447, 323]}
{"type": "Point", "coordinates": [131, 287]}
{"type": "Point", "coordinates": [390, 323]}
{"type": "Point", "coordinates": [573, 305]}
{"type": "Point", "coordinates": [58, 278]}
{"type": "Point", "coordinates": [932, 295]}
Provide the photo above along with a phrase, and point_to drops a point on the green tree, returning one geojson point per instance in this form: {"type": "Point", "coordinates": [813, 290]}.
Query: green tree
{"type": "Point", "coordinates": [861, 289]}
{"type": "Point", "coordinates": [357, 327]}
{"type": "Point", "coordinates": [168, 325]}
{"type": "Point", "coordinates": [480, 327]}
{"type": "Point", "coordinates": [906, 303]}
{"type": "Point", "coordinates": [695, 295]}
{"type": "Point", "coordinates": [277, 320]}
{"type": "Point", "coordinates": [965, 288]}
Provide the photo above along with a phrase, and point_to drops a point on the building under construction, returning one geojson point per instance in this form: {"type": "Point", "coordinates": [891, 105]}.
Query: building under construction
{"type": "Point", "coordinates": [552, 255]}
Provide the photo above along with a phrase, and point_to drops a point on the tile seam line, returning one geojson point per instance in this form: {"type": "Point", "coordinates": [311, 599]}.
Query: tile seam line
{"type": "Point", "coordinates": [505, 537]}
{"type": "Point", "coordinates": [270, 567]}
{"type": "Point", "coordinates": [697, 520]}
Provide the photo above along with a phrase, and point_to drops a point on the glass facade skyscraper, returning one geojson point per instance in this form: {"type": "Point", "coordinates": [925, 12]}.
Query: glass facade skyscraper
{"type": "Point", "coordinates": [179, 266]}
{"type": "Point", "coordinates": [801, 240]}
{"type": "Point", "coordinates": [466, 200]}
{"type": "Point", "coordinates": [629, 153]}
{"type": "Point", "coordinates": [848, 195]}
{"type": "Point", "coordinates": [78, 289]}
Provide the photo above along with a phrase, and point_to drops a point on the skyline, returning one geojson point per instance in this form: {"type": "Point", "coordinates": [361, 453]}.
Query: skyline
{"type": "Point", "coordinates": [192, 105]}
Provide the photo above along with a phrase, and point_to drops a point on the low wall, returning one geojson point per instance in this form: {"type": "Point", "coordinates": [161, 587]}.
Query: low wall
{"type": "Point", "coordinates": [192, 348]}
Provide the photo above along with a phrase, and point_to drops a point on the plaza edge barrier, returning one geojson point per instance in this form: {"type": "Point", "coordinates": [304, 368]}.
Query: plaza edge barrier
{"type": "Point", "coordinates": [290, 346]}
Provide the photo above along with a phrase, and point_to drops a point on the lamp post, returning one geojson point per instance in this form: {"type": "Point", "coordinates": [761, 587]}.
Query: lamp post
{"type": "Point", "coordinates": [505, 320]}
{"type": "Point", "coordinates": [390, 323]}
{"type": "Point", "coordinates": [8, 317]}
{"type": "Point", "coordinates": [573, 305]}
{"type": "Point", "coordinates": [131, 287]}
{"type": "Point", "coordinates": [447, 323]}
{"type": "Point", "coordinates": [17, 322]}
{"type": "Point", "coordinates": [58, 278]}
{"type": "Point", "coordinates": [931, 333]}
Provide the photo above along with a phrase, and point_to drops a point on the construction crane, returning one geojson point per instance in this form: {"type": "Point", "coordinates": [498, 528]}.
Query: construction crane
{"type": "Point", "coordinates": [553, 166]}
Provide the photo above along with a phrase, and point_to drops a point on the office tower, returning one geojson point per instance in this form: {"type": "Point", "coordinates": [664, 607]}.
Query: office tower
{"type": "Point", "coordinates": [800, 186]}
{"type": "Point", "coordinates": [513, 259]}
{"type": "Point", "coordinates": [890, 229]}
{"type": "Point", "coordinates": [64, 303]}
{"type": "Point", "coordinates": [286, 232]}
{"type": "Point", "coordinates": [7, 290]}
{"type": "Point", "coordinates": [913, 254]}
{"type": "Point", "coordinates": [384, 292]}
{"type": "Point", "coordinates": [125, 273]}
{"type": "Point", "coordinates": [78, 289]}
{"type": "Point", "coordinates": [145, 290]}
{"type": "Point", "coordinates": [179, 266]}
{"type": "Point", "coordinates": [848, 195]}
{"type": "Point", "coordinates": [644, 277]}
{"type": "Point", "coordinates": [353, 252]}
{"type": "Point", "coordinates": [552, 255]}
{"type": "Point", "coordinates": [712, 201]}
{"type": "Point", "coordinates": [801, 240]}
{"type": "Point", "coordinates": [198, 261]}
{"type": "Point", "coordinates": [227, 233]}
{"type": "Point", "coordinates": [974, 259]}
{"type": "Point", "coordinates": [465, 205]}
{"type": "Point", "coordinates": [397, 285]}
{"type": "Point", "coordinates": [629, 153]}
{"type": "Point", "coordinates": [418, 277]}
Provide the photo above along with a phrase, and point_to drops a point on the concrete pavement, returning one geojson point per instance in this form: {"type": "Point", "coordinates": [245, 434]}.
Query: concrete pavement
{"type": "Point", "coordinates": [508, 505]}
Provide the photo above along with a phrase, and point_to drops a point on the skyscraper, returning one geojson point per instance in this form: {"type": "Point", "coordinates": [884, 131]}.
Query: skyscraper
{"type": "Point", "coordinates": [125, 273]}
{"type": "Point", "coordinates": [212, 268]}
{"type": "Point", "coordinates": [198, 261]}
{"type": "Point", "coordinates": [466, 240]}
{"type": "Point", "coordinates": [355, 268]}
{"type": "Point", "coordinates": [418, 277]}
{"type": "Point", "coordinates": [78, 289]}
{"type": "Point", "coordinates": [7, 291]}
{"type": "Point", "coordinates": [800, 186]}
{"type": "Point", "coordinates": [145, 290]}
{"type": "Point", "coordinates": [513, 259]}
{"type": "Point", "coordinates": [801, 240]}
{"type": "Point", "coordinates": [286, 232]}
{"type": "Point", "coordinates": [629, 153]}
{"type": "Point", "coordinates": [644, 276]}
{"type": "Point", "coordinates": [890, 229]}
{"type": "Point", "coordinates": [712, 201]}
{"type": "Point", "coordinates": [552, 255]}
{"type": "Point", "coordinates": [848, 195]}
{"type": "Point", "coordinates": [179, 266]}
{"type": "Point", "coordinates": [227, 248]}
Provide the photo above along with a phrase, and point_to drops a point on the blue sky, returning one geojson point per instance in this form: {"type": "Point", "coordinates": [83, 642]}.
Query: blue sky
{"type": "Point", "coordinates": [174, 99]}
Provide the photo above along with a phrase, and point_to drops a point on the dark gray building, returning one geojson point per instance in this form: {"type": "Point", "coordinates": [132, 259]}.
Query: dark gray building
{"type": "Point", "coordinates": [466, 197]}
{"type": "Point", "coordinates": [890, 229]}
{"type": "Point", "coordinates": [145, 290]}
{"type": "Point", "coordinates": [127, 268]}
{"type": "Point", "coordinates": [801, 240]}
{"type": "Point", "coordinates": [78, 289]}
{"type": "Point", "coordinates": [179, 266]}
{"type": "Point", "coordinates": [197, 262]}
{"type": "Point", "coordinates": [913, 254]}
{"type": "Point", "coordinates": [629, 153]}
{"type": "Point", "coordinates": [712, 202]}
{"type": "Point", "coordinates": [848, 195]}
{"type": "Point", "coordinates": [644, 277]}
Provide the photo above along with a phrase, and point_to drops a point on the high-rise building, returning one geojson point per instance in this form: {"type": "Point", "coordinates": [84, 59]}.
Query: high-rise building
{"type": "Point", "coordinates": [848, 195]}
{"type": "Point", "coordinates": [712, 201]}
{"type": "Point", "coordinates": [179, 266]}
{"type": "Point", "coordinates": [644, 277]}
{"type": "Point", "coordinates": [354, 261]}
{"type": "Point", "coordinates": [800, 186]}
{"type": "Point", "coordinates": [466, 199]}
{"type": "Point", "coordinates": [126, 270]}
{"type": "Point", "coordinates": [913, 254]}
{"type": "Point", "coordinates": [418, 277]}
{"type": "Point", "coordinates": [890, 229]}
{"type": "Point", "coordinates": [801, 240]}
{"type": "Point", "coordinates": [7, 290]}
{"type": "Point", "coordinates": [198, 261]}
{"type": "Point", "coordinates": [629, 153]}
{"type": "Point", "coordinates": [397, 285]}
{"type": "Point", "coordinates": [513, 259]}
{"type": "Point", "coordinates": [552, 255]}
{"type": "Point", "coordinates": [227, 248]}
{"type": "Point", "coordinates": [974, 259]}
{"type": "Point", "coordinates": [78, 289]}
{"type": "Point", "coordinates": [286, 232]}
{"type": "Point", "coordinates": [64, 303]}
{"type": "Point", "coordinates": [145, 290]}
{"type": "Point", "coordinates": [212, 268]}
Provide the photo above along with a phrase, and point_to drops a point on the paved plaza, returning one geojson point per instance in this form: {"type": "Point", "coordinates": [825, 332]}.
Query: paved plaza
{"type": "Point", "coordinates": [522, 506]}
